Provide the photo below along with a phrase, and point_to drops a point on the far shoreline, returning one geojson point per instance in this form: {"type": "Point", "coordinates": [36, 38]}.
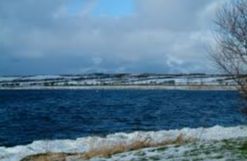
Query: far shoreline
{"type": "Point", "coordinates": [129, 87]}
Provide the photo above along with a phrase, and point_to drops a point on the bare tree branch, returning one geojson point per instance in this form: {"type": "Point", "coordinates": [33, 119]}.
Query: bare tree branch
{"type": "Point", "coordinates": [230, 52]}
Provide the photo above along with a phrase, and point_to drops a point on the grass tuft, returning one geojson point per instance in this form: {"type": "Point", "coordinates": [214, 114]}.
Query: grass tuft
{"type": "Point", "coordinates": [243, 148]}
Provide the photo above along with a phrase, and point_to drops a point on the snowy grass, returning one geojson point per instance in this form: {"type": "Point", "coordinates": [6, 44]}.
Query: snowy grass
{"type": "Point", "coordinates": [105, 152]}
{"type": "Point", "coordinates": [183, 143]}
{"type": "Point", "coordinates": [230, 149]}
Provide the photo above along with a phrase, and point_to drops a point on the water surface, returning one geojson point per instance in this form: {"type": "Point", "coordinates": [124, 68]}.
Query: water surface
{"type": "Point", "coordinates": [28, 115]}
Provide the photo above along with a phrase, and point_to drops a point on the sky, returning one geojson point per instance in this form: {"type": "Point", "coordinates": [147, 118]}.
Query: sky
{"type": "Point", "coordinates": [112, 36]}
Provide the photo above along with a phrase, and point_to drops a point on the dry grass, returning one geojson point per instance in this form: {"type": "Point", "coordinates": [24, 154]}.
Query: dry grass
{"type": "Point", "coordinates": [104, 152]}
{"type": "Point", "coordinates": [47, 157]}
{"type": "Point", "coordinates": [120, 148]}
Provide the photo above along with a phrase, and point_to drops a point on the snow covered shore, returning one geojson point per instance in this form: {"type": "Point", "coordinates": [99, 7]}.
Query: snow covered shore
{"type": "Point", "coordinates": [87, 144]}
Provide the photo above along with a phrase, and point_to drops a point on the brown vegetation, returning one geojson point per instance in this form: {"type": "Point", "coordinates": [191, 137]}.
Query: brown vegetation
{"type": "Point", "coordinates": [47, 157]}
{"type": "Point", "coordinates": [105, 152]}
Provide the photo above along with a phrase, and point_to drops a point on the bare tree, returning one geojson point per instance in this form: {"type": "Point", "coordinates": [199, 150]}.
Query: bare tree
{"type": "Point", "coordinates": [230, 52]}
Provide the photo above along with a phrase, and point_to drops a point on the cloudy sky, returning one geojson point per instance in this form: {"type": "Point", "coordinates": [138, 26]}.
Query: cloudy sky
{"type": "Point", "coordinates": [82, 36]}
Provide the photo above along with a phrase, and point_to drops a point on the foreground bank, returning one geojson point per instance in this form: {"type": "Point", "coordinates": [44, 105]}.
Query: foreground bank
{"type": "Point", "coordinates": [206, 143]}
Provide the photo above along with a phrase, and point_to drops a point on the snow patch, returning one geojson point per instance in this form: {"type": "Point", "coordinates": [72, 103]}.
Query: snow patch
{"type": "Point", "coordinates": [81, 145]}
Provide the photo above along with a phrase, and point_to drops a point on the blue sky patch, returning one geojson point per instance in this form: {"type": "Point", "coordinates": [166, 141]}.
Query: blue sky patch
{"type": "Point", "coordinates": [76, 6]}
{"type": "Point", "coordinates": [114, 8]}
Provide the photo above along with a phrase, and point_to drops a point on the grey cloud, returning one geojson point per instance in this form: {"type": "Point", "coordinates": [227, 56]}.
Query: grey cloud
{"type": "Point", "coordinates": [160, 36]}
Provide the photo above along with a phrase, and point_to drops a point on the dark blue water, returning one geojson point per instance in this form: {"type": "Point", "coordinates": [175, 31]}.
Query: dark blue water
{"type": "Point", "coordinates": [26, 116]}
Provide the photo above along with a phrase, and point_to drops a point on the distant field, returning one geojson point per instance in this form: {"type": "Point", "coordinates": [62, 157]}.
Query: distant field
{"type": "Point", "coordinates": [122, 81]}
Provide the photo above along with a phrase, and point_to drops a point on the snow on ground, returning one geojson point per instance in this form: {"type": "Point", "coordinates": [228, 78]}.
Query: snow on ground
{"type": "Point", "coordinates": [197, 151]}
{"type": "Point", "coordinates": [114, 79]}
{"type": "Point", "coordinates": [200, 136]}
